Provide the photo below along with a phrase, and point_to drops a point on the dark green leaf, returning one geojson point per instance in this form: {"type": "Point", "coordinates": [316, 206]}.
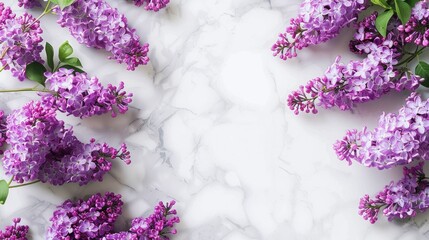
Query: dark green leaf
{"type": "Point", "coordinates": [4, 191]}
{"type": "Point", "coordinates": [50, 55]}
{"type": "Point", "coordinates": [381, 3]}
{"type": "Point", "coordinates": [65, 51]}
{"type": "Point", "coordinates": [422, 69]}
{"type": "Point", "coordinates": [382, 21]}
{"type": "Point", "coordinates": [412, 3]}
{"type": "Point", "coordinates": [403, 10]}
{"type": "Point", "coordinates": [35, 72]}
{"type": "Point", "coordinates": [73, 61]}
{"type": "Point", "coordinates": [76, 69]}
{"type": "Point", "coordinates": [65, 3]}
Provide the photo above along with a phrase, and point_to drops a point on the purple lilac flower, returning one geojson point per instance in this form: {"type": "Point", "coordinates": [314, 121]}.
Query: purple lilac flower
{"type": "Point", "coordinates": [41, 148]}
{"type": "Point", "coordinates": [96, 24]}
{"type": "Point", "coordinates": [399, 138]}
{"type": "Point", "coordinates": [81, 96]}
{"type": "Point", "coordinates": [358, 81]}
{"type": "Point", "coordinates": [90, 219]}
{"type": "Point", "coordinates": [20, 41]}
{"type": "Point", "coordinates": [121, 236]}
{"type": "Point", "coordinates": [15, 232]}
{"type": "Point", "coordinates": [416, 29]}
{"type": "Point", "coordinates": [28, 4]}
{"type": "Point", "coordinates": [3, 130]}
{"type": "Point", "coordinates": [318, 21]}
{"type": "Point", "coordinates": [402, 199]}
{"type": "Point", "coordinates": [5, 14]}
{"type": "Point", "coordinates": [158, 225]}
{"type": "Point", "coordinates": [152, 5]}
{"type": "Point", "coordinates": [366, 32]}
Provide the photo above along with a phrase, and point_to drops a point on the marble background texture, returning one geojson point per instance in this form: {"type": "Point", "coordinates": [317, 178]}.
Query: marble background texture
{"type": "Point", "coordinates": [208, 127]}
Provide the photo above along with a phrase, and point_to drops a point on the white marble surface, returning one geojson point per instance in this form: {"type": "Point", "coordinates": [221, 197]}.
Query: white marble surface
{"type": "Point", "coordinates": [209, 128]}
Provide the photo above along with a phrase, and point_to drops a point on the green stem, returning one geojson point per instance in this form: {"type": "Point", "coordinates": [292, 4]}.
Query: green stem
{"type": "Point", "coordinates": [24, 184]}
{"type": "Point", "coordinates": [25, 90]}
{"type": "Point", "coordinates": [2, 68]}
{"type": "Point", "coordinates": [45, 11]}
{"type": "Point", "coordinates": [10, 181]}
{"type": "Point", "coordinates": [410, 58]}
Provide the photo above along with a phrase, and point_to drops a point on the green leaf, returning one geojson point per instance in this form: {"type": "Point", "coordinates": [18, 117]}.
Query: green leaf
{"type": "Point", "coordinates": [54, 2]}
{"type": "Point", "coordinates": [382, 21]}
{"type": "Point", "coordinates": [35, 72]}
{"type": "Point", "coordinates": [65, 51]}
{"type": "Point", "coordinates": [65, 3]}
{"type": "Point", "coordinates": [4, 191]}
{"type": "Point", "coordinates": [422, 69]}
{"type": "Point", "coordinates": [50, 55]}
{"type": "Point", "coordinates": [403, 10]}
{"type": "Point", "coordinates": [76, 69]}
{"type": "Point", "coordinates": [73, 61]}
{"type": "Point", "coordinates": [381, 3]}
{"type": "Point", "coordinates": [412, 3]}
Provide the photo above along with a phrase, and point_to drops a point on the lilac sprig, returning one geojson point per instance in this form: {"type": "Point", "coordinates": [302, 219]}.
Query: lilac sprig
{"type": "Point", "coordinates": [41, 148]}
{"type": "Point", "coordinates": [82, 96]}
{"type": "Point", "coordinates": [98, 25]}
{"type": "Point", "coordinates": [318, 21]}
{"type": "Point", "coordinates": [345, 85]}
{"type": "Point", "coordinates": [151, 5]}
{"type": "Point", "coordinates": [399, 138]}
{"type": "Point", "coordinates": [158, 226]}
{"type": "Point", "coordinates": [15, 232]}
{"type": "Point", "coordinates": [416, 29]}
{"type": "Point", "coordinates": [402, 199]}
{"type": "Point", "coordinates": [359, 81]}
{"type": "Point", "coordinates": [20, 41]}
{"type": "Point", "coordinates": [86, 219]}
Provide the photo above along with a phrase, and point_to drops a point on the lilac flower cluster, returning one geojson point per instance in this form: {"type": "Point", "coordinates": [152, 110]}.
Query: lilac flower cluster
{"type": "Point", "coordinates": [3, 130]}
{"type": "Point", "coordinates": [94, 219]}
{"type": "Point", "coordinates": [399, 138]}
{"type": "Point", "coordinates": [81, 96]}
{"type": "Point", "coordinates": [28, 4]}
{"type": "Point", "coordinates": [20, 41]}
{"type": "Point", "coordinates": [318, 21]}
{"type": "Point", "coordinates": [96, 24]}
{"type": "Point", "coordinates": [152, 5]}
{"type": "Point", "coordinates": [157, 226]}
{"type": "Point", "coordinates": [15, 232]}
{"type": "Point", "coordinates": [357, 82]}
{"type": "Point", "coordinates": [416, 29]}
{"type": "Point", "coordinates": [41, 148]}
{"type": "Point", "coordinates": [90, 219]}
{"type": "Point", "coordinates": [402, 199]}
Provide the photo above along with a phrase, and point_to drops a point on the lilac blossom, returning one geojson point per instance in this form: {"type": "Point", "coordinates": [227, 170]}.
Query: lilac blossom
{"type": "Point", "coordinates": [416, 29]}
{"type": "Point", "coordinates": [158, 226]}
{"type": "Point", "coordinates": [41, 148]}
{"type": "Point", "coordinates": [28, 4]}
{"type": "Point", "coordinates": [318, 21]}
{"type": "Point", "coordinates": [402, 199]}
{"type": "Point", "coordinates": [399, 138]}
{"type": "Point", "coordinates": [152, 5]}
{"type": "Point", "coordinates": [359, 81]}
{"type": "Point", "coordinates": [15, 232]}
{"type": "Point", "coordinates": [85, 219]}
{"type": "Point", "coordinates": [81, 96]}
{"type": "Point", "coordinates": [3, 130]}
{"type": "Point", "coordinates": [20, 41]}
{"type": "Point", "coordinates": [121, 236]}
{"type": "Point", "coordinates": [98, 25]}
